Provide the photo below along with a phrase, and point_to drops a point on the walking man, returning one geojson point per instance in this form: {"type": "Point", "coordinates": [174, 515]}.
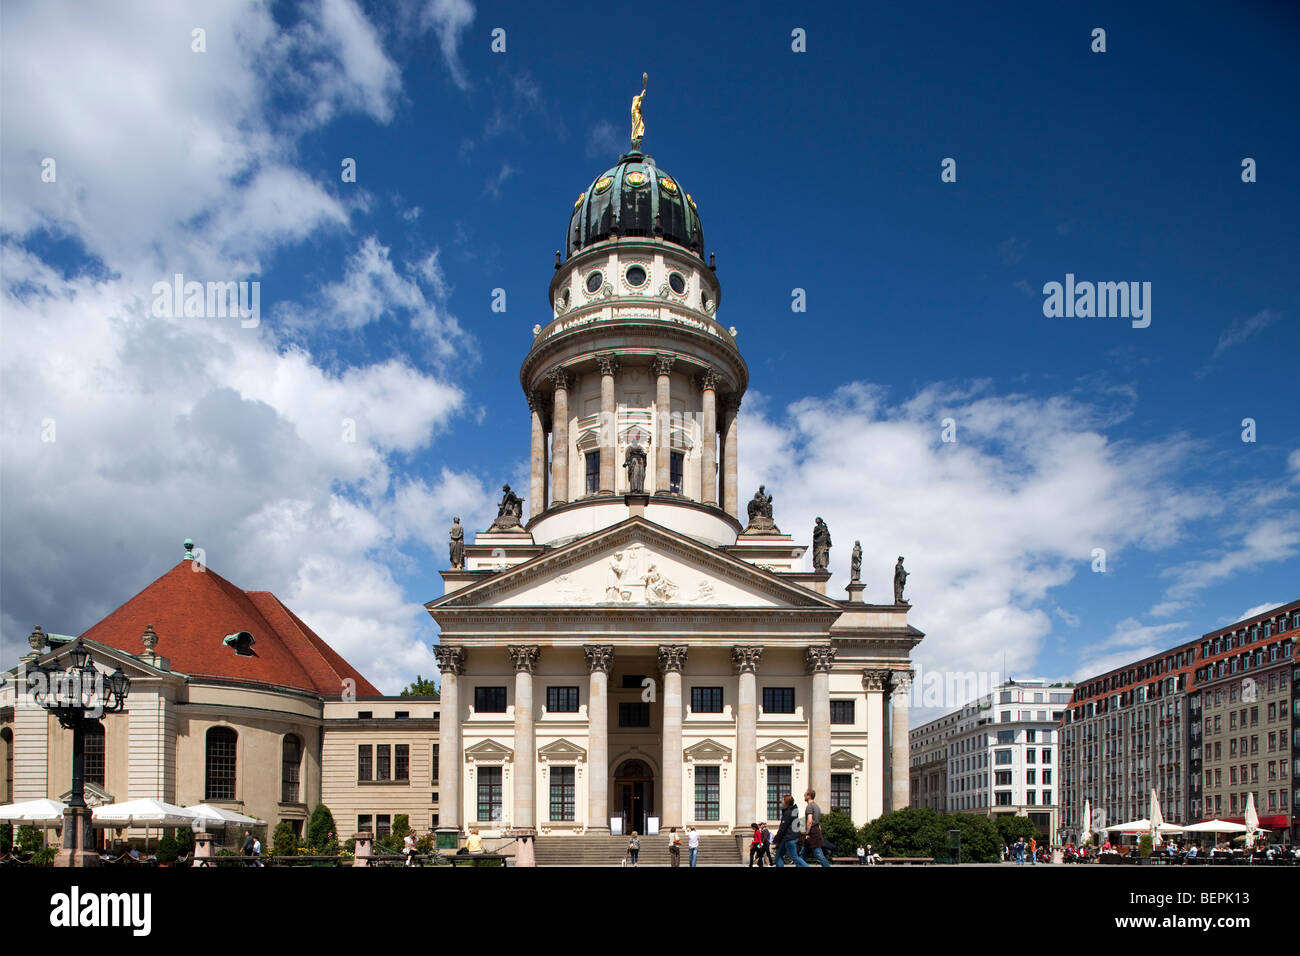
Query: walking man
{"type": "Point", "coordinates": [693, 844]}
{"type": "Point", "coordinates": [813, 828]}
{"type": "Point", "coordinates": [787, 840]}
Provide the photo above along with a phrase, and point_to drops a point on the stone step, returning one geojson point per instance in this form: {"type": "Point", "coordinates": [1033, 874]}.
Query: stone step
{"type": "Point", "coordinates": [605, 850]}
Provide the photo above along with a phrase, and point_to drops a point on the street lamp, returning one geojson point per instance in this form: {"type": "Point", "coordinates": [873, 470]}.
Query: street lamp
{"type": "Point", "coordinates": [79, 696]}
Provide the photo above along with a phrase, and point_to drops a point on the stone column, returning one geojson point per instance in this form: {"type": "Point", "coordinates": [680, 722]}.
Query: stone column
{"type": "Point", "coordinates": [709, 440]}
{"type": "Point", "coordinates": [663, 367]}
{"type": "Point", "coordinates": [747, 658]}
{"type": "Point", "coordinates": [600, 658]}
{"type": "Point", "coordinates": [899, 741]}
{"type": "Point", "coordinates": [560, 438]}
{"type": "Point", "coordinates": [608, 422]}
{"type": "Point", "coordinates": [524, 658]}
{"type": "Point", "coordinates": [537, 463]}
{"type": "Point", "coordinates": [672, 658]}
{"type": "Point", "coordinates": [731, 458]}
{"type": "Point", "coordinates": [873, 682]}
{"type": "Point", "coordinates": [451, 662]}
{"type": "Point", "coordinates": [818, 659]}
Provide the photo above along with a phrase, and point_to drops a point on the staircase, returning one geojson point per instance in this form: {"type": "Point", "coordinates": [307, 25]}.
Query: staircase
{"type": "Point", "coordinates": [605, 850]}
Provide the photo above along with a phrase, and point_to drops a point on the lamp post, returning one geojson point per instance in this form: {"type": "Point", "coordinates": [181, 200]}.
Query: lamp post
{"type": "Point", "coordinates": [79, 696]}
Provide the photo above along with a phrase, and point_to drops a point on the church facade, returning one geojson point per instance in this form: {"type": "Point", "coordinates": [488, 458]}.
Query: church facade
{"type": "Point", "coordinates": [629, 645]}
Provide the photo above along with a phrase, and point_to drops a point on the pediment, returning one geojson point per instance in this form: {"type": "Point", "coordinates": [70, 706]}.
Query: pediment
{"type": "Point", "coordinates": [488, 750]}
{"type": "Point", "coordinates": [843, 760]}
{"type": "Point", "coordinates": [635, 563]}
{"type": "Point", "coordinates": [780, 750]}
{"type": "Point", "coordinates": [96, 796]}
{"type": "Point", "coordinates": [561, 750]}
{"type": "Point", "coordinates": [707, 750]}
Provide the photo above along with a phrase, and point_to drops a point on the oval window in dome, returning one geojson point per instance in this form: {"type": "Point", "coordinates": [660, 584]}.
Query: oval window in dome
{"type": "Point", "coordinates": [603, 183]}
{"type": "Point", "coordinates": [594, 281]}
{"type": "Point", "coordinates": [668, 186]}
{"type": "Point", "coordinates": [635, 276]}
{"type": "Point", "coordinates": [677, 282]}
{"type": "Point", "coordinates": [635, 178]}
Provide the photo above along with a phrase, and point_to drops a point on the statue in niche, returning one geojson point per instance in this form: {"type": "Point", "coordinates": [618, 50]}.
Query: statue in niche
{"type": "Point", "coordinates": [509, 512]}
{"type": "Point", "coordinates": [900, 581]}
{"type": "Point", "coordinates": [821, 546]}
{"type": "Point", "coordinates": [634, 462]}
{"type": "Point", "coordinates": [457, 544]}
{"type": "Point", "coordinates": [855, 564]}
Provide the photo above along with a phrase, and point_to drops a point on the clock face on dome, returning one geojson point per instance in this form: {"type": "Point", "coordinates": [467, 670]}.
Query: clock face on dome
{"type": "Point", "coordinates": [636, 178]}
{"type": "Point", "coordinates": [603, 183]}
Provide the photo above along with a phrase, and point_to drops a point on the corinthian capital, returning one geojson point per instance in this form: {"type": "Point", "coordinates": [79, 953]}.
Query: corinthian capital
{"type": "Point", "coordinates": [524, 656]}
{"type": "Point", "coordinates": [672, 657]}
{"type": "Point", "coordinates": [559, 377]}
{"type": "Point", "coordinates": [819, 657]}
{"type": "Point", "coordinates": [747, 657]}
{"type": "Point", "coordinates": [663, 364]}
{"type": "Point", "coordinates": [608, 364]}
{"type": "Point", "coordinates": [600, 657]}
{"type": "Point", "coordinates": [874, 680]}
{"type": "Point", "coordinates": [451, 659]}
{"type": "Point", "coordinates": [708, 380]}
{"type": "Point", "coordinates": [900, 682]}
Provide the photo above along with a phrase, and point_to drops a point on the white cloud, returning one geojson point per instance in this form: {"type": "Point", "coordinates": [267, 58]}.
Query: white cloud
{"type": "Point", "coordinates": [605, 141]}
{"type": "Point", "coordinates": [449, 19]}
{"type": "Point", "coordinates": [1243, 329]}
{"type": "Point", "coordinates": [1257, 609]}
{"type": "Point", "coordinates": [1270, 539]}
{"type": "Point", "coordinates": [990, 525]}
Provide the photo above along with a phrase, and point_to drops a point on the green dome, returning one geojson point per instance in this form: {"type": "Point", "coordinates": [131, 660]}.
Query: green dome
{"type": "Point", "coordinates": [635, 198]}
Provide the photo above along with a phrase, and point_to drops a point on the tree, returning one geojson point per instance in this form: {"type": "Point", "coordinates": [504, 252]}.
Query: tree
{"type": "Point", "coordinates": [168, 850]}
{"type": "Point", "coordinates": [838, 828]}
{"type": "Point", "coordinates": [6, 837]}
{"type": "Point", "coordinates": [185, 839]}
{"type": "Point", "coordinates": [421, 688]}
{"type": "Point", "coordinates": [321, 830]}
{"type": "Point", "coordinates": [980, 842]}
{"type": "Point", "coordinates": [29, 839]}
{"type": "Point", "coordinates": [1011, 828]}
{"type": "Point", "coordinates": [1144, 845]}
{"type": "Point", "coordinates": [401, 825]}
{"type": "Point", "coordinates": [284, 842]}
{"type": "Point", "coordinates": [912, 831]}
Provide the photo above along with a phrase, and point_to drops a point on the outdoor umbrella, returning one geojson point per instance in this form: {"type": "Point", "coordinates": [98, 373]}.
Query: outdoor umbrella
{"type": "Point", "coordinates": [1252, 819]}
{"type": "Point", "coordinates": [209, 816]}
{"type": "Point", "coordinates": [145, 813]}
{"type": "Point", "coordinates": [1156, 818]}
{"type": "Point", "coordinates": [1215, 826]}
{"type": "Point", "coordinates": [1085, 829]}
{"type": "Point", "coordinates": [44, 812]}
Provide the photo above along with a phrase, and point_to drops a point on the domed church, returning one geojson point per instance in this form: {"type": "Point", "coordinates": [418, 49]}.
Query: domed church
{"type": "Point", "coordinates": [631, 646]}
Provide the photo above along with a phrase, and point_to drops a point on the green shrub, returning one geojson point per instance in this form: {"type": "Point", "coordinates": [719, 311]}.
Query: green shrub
{"type": "Point", "coordinates": [979, 838]}
{"type": "Point", "coordinates": [912, 831]}
{"type": "Point", "coordinates": [6, 837]}
{"type": "Point", "coordinates": [1144, 845]}
{"type": "Point", "coordinates": [285, 842]}
{"type": "Point", "coordinates": [401, 826]}
{"type": "Point", "coordinates": [1011, 828]}
{"type": "Point", "coordinates": [168, 849]}
{"type": "Point", "coordinates": [30, 839]}
{"type": "Point", "coordinates": [185, 840]}
{"type": "Point", "coordinates": [44, 857]}
{"type": "Point", "coordinates": [321, 830]}
{"type": "Point", "coordinates": [838, 828]}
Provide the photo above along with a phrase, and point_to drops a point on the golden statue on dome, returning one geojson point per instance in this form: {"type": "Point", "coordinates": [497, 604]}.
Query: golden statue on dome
{"type": "Point", "coordinates": [638, 122]}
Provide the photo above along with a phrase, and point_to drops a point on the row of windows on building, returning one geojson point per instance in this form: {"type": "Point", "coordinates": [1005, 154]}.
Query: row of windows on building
{"type": "Point", "coordinates": [221, 765]}
{"type": "Point", "coordinates": [708, 788]}
{"type": "Point", "coordinates": [1237, 773]}
{"type": "Point", "coordinates": [1244, 745]}
{"type": "Point", "coordinates": [704, 700]}
{"type": "Point", "coordinates": [1250, 660]}
{"type": "Point", "coordinates": [381, 824]}
{"type": "Point", "coordinates": [1273, 801]}
{"type": "Point", "coordinates": [1001, 798]}
{"type": "Point", "coordinates": [1248, 635]}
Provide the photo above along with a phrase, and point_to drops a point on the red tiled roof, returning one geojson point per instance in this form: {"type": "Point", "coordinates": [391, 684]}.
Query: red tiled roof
{"type": "Point", "coordinates": [193, 611]}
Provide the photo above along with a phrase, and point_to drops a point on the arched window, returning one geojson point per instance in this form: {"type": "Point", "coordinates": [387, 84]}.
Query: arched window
{"type": "Point", "coordinates": [93, 768]}
{"type": "Point", "coordinates": [291, 752]}
{"type": "Point", "coordinates": [222, 745]}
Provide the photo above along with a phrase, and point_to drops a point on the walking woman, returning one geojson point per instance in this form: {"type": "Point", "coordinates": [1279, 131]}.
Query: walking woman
{"type": "Point", "coordinates": [633, 848]}
{"type": "Point", "coordinates": [787, 840]}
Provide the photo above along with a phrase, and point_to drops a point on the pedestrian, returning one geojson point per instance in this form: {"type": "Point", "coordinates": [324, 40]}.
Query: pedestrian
{"type": "Point", "coordinates": [693, 844]}
{"type": "Point", "coordinates": [755, 845]}
{"type": "Point", "coordinates": [257, 852]}
{"type": "Point", "coordinates": [674, 848]}
{"type": "Point", "coordinates": [633, 848]}
{"type": "Point", "coordinates": [787, 839]}
{"type": "Point", "coordinates": [408, 847]}
{"type": "Point", "coordinates": [766, 832]}
{"type": "Point", "coordinates": [248, 844]}
{"type": "Point", "coordinates": [1033, 850]}
{"type": "Point", "coordinates": [813, 838]}
{"type": "Point", "coordinates": [862, 854]}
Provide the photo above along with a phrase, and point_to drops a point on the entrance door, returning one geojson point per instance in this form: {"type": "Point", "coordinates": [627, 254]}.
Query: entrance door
{"type": "Point", "coordinates": [634, 790]}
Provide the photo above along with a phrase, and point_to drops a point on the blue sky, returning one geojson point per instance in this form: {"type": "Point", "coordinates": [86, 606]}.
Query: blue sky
{"type": "Point", "coordinates": [817, 170]}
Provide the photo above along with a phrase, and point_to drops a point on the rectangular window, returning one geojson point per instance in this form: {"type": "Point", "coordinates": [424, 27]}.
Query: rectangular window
{"type": "Point", "coordinates": [706, 700]}
{"type": "Point", "coordinates": [706, 793]}
{"type": "Point", "coordinates": [843, 711]}
{"type": "Point", "coordinates": [1002, 778]}
{"type": "Point", "coordinates": [93, 767]}
{"type": "Point", "coordinates": [1003, 798]}
{"type": "Point", "coordinates": [434, 774]}
{"type": "Point", "coordinates": [675, 472]}
{"type": "Point", "coordinates": [1002, 757]}
{"type": "Point", "coordinates": [633, 714]}
{"type": "Point", "coordinates": [842, 792]}
{"type": "Point", "coordinates": [1030, 754]}
{"type": "Point", "coordinates": [1031, 736]}
{"type": "Point", "coordinates": [383, 762]}
{"type": "Point", "coordinates": [778, 700]}
{"type": "Point", "coordinates": [1031, 776]}
{"type": "Point", "coordinates": [562, 700]}
{"type": "Point", "coordinates": [383, 824]}
{"type": "Point", "coordinates": [402, 762]}
{"type": "Point", "coordinates": [490, 700]}
{"type": "Point", "coordinates": [778, 785]}
{"type": "Point", "coordinates": [365, 822]}
{"type": "Point", "coordinates": [1006, 736]}
{"type": "Point", "coordinates": [489, 794]}
{"type": "Point", "coordinates": [593, 472]}
{"type": "Point", "coordinates": [1030, 798]}
{"type": "Point", "coordinates": [1047, 797]}
{"type": "Point", "coordinates": [562, 793]}
{"type": "Point", "coordinates": [365, 762]}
